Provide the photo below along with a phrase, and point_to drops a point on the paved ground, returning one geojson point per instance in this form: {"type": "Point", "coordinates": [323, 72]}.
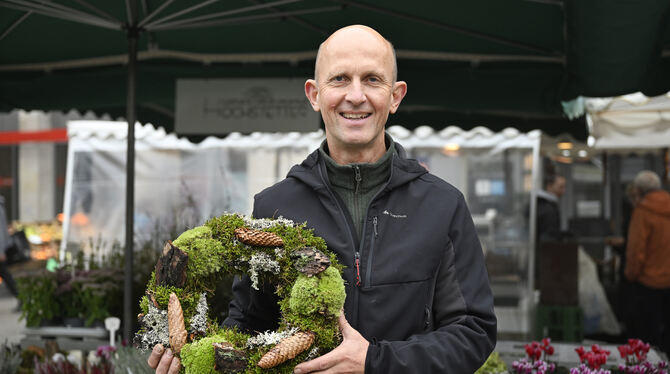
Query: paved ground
{"type": "Point", "coordinates": [10, 326]}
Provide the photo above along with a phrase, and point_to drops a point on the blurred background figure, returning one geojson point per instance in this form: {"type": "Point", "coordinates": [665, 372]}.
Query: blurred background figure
{"type": "Point", "coordinates": [624, 308]}
{"type": "Point", "coordinates": [6, 276]}
{"type": "Point", "coordinates": [548, 213]}
{"type": "Point", "coordinates": [648, 261]}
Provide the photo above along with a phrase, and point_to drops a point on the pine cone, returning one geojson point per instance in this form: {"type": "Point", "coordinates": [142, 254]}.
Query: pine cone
{"type": "Point", "coordinates": [258, 238]}
{"type": "Point", "coordinates": [287, 349]}
{"type": "Point", "coordinates": [176, 329]}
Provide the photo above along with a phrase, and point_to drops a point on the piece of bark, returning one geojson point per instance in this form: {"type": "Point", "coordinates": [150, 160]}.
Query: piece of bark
{"type": "Point", "coordinates": [310, 261]}
{"type": "Point", "coordinates": [171, 266]}
{"type": "Point", "coordinates": [258, 238]}
{"type": "Point", "coordinates": [176, 329]}
{"type": "Point", "coordinates": [227, 359]}
{"type": "Point", "coordinates": [287, 349]}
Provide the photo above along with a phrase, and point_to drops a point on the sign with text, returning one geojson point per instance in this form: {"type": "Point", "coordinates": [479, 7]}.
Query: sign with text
{"type": "Point", "coordinates": [221, 106]}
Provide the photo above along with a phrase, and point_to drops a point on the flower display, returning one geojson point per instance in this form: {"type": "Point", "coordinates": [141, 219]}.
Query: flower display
{"type": "Point", "coordinates": [538, 359]}
{"type": "Point", "coordinates": [595, 358]}
{"type": "Point", "coordinates": [635, 356]}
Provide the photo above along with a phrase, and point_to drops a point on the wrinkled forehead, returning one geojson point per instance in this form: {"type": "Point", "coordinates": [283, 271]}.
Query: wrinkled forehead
{"type": "Point", "coordinates": [355, 40]}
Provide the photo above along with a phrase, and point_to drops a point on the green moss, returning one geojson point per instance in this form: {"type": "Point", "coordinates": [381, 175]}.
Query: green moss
{"type": "Point", "coordinates": [198, 357]}
{"type": "Point", "coordinates": [206, 260]}
{"type": "Point", "coordinates": [323, 294]}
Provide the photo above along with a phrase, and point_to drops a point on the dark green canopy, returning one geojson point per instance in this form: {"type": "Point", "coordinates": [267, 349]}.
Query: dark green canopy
{"type": "Point", "coordinates": [480, 62]}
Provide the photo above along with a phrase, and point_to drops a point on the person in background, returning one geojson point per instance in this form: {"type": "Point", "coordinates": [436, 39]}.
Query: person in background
{"type": "Point", "coordinates": [624, 309]}
{"type": "Point", "coordinates": [418, 295]}
{"type": "Point", "coordinates": [5, 241]}
{"type": "Point", "coordinates": [648, 261]}
{"type": "Point", "coordinates": [548, 212]}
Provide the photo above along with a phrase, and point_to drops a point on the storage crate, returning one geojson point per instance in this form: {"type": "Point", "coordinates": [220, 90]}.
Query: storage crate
{"type": "Point", "coordinates": [560, 323]}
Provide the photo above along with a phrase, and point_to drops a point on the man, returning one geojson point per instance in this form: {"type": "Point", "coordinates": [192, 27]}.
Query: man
{"type": "Point", "coordinates": [418, 297]}
{"type": "Point", "coordinates": [548, 213]}
{"type": "Point", "coordinates": [648, 261]}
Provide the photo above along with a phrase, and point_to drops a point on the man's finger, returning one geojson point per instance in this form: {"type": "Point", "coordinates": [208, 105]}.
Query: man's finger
{"type": "Point", "coordinates": [343, 324]}
{"type": "Point", "coordinates": [318, 364]}
{"type": "Point", "coordinates": [175, 366]}
{"type": "Point", "coordinates": [155, 356]}
{"type": "Point", "coordinates": [165, 362]}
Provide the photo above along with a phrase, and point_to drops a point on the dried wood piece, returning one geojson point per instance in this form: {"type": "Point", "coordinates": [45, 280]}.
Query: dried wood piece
{"type": "Point", "coordinates": [171, 266]}
{"type": "Point", "coordinates": [227, 359]}
{"type": "Point", "coordinates": [310, 261]}
{"type": "Point", "coordinates": [287, 349]}
{"type": "Point", "coordinates": [176, 328]}
{"type": "Point", "coordinates": [258, 238]}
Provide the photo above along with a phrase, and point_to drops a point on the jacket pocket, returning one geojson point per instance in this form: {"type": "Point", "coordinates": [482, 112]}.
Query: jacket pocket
{"type": "Point", "coordinates": [398, 310]}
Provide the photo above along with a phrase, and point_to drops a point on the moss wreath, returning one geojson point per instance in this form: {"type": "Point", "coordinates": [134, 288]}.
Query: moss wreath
{"type": "Point", "coordinates": [279, 252]}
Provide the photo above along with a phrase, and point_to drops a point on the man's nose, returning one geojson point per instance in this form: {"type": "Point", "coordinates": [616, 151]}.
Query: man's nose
{"type": "Point", "coordinates": [356, 94]}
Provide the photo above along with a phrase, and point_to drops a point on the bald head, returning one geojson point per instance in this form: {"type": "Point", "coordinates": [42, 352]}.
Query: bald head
{"type": "Point", "coordinates": [356, 34]}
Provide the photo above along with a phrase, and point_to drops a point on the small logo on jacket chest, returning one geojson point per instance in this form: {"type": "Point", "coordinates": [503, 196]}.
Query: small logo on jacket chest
{"type": "Point", "coordinates": [394, 215]}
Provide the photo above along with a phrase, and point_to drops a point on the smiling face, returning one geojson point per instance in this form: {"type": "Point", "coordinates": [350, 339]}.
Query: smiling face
{"type": "Point", "coordinates": [355, 91]}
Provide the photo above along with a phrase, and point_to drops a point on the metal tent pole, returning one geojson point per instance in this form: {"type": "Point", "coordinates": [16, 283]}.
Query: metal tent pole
{"type": "Point", "coordinates": [128, 320]}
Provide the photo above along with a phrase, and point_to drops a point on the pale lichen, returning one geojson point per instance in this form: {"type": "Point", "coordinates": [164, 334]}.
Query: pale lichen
{"type": "Point", "coordinates": [155, 323]}
{"type": "Point", "coordinates": [313, 353]}
{"type": "Point", "coordinates": [269, 338]}
{"type": "Point", "coordinates": [266, 223]}
{"type": "Point", "coordinates": [199, 320]}
{"type": "Point", "coordinates": [261, 263]}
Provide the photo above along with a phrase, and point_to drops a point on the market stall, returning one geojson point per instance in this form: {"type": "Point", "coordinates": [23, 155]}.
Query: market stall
{"type": "Point", "coordinates": [180, 184]}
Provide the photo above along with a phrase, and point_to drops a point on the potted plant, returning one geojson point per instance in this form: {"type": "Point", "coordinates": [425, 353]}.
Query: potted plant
{"type": "Point", "coordinates": [38, 304]}
{"type": "Point", "coordinates": [591, 362]}
{"type": "Point", "coordinates": [538, 359]}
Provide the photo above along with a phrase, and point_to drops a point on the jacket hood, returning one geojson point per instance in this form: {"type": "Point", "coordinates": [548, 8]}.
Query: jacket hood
{"type": "Point", "coordinates": [657, 202]}
{"type": "Point", "coordinates": [403, 169]}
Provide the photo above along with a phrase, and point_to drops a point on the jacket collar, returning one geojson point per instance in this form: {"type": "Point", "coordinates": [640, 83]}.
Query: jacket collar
{"type": "Point", "coordinates": [403, 169]}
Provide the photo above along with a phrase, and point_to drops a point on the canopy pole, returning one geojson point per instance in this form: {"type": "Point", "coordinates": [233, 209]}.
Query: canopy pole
{"type": "Point", "coordinates": [128, 320]}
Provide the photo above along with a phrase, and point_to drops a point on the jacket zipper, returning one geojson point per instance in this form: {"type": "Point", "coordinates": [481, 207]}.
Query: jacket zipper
{"type": "Point", "coordinates": [357, 255]}
{"type": "Point", "coordinates": [358, 178]}
{"type": "Point", "coordinates": [368, 272]}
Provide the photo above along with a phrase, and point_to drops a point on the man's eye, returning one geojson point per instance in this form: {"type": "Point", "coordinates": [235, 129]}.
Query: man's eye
{"type": "Point", "coordinates": [338, 78]}
{"type": "Point", "coordinates": [373, 79]}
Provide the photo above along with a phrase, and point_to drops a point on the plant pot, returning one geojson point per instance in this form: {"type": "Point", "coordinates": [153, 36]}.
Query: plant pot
{"type": "Point", "coordinates": [73, 322]}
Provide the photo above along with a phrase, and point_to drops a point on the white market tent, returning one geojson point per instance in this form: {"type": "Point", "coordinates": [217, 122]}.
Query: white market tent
{"type": "Point", "coordinates": [179, 184]}
{"type": "Point", "coordinates": [629, 122]}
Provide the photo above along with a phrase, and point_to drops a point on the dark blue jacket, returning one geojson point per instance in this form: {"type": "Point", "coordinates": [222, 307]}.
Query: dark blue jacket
{"type": "Point", "coordinates": [424, 300]}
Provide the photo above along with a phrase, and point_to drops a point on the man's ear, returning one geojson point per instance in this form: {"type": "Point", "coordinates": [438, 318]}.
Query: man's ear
{"type": "Point", "coordinates": [312, 93]}
{"type": "Point", "coordinates": [399, 92]}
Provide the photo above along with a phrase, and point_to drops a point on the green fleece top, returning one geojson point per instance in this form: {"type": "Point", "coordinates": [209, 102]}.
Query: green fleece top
{"type": "Point", "coordinates": [356, 184]}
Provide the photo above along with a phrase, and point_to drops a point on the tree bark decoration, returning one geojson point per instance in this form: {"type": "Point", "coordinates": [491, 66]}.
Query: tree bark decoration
{"type": "Point", "coordinates": [258, 238]}
{"type": "Point", "coordinates": [287, 349]}
{"type": "Point", "coordinates": [176, 328]}
{"type": "Point", "coordinates": [310, 261]}
{"type": "Point", "coordinates": [171, 266]}
{"type": "Point", "coordinates": [228, 359]}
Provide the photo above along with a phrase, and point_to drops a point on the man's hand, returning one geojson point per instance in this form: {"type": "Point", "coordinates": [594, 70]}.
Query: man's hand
{"type": "Point", "coordinates": [163, 360]}
{"type": "Point", "coordinates": [348, 357]}
{"type": "Point", "coordinates": [3, 257]}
